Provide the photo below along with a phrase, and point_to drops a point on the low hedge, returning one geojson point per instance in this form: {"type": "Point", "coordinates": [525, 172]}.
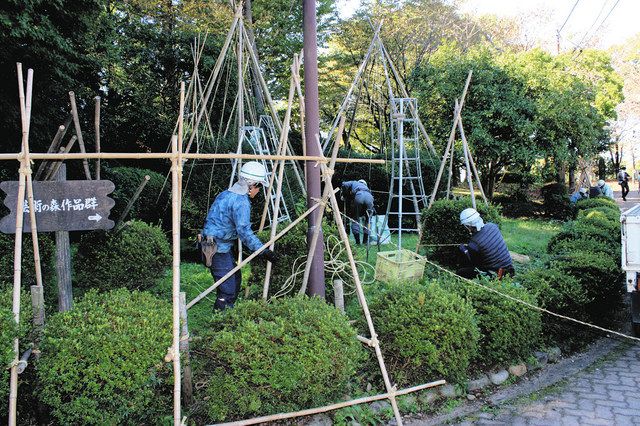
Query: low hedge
{"type": "Point", "coordinates": [599, 276]}
{"type": "Point", "coordinates": [133, 258]}
{"type": "Point", "coordinates": [9, 330]}
{"type": "Point", "coordinates": [510, 331]}
{"type": "Point", "coordinates": [441, 225]}
{"type": "Point", "coordinates": [263, 358]}
{"type": "Point", "coordinates": [611, 213]}
{"type": "Point", "coordinates": [426, 332]}
{"type": "Point", "coordinates": [590, 203]}
{"type": "Point", "coordinates": [102, 362]}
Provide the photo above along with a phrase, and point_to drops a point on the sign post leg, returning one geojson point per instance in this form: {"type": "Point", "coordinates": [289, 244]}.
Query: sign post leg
{"type": "Point", "coordinates": [63, 260]}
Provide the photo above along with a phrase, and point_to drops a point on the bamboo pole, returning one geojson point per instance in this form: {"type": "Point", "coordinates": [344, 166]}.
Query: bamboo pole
{"type": "Point", "coordinates": [466, 162]}
{"type": "Point", "coordinates": [189, 156]}
{"type": "Point", "coordinates": [17, 256]}
{"type": "Point", "coordinates": [55, 144]}
{"type": "Point", "coordinates": [176, 170]}
{"type": "Point", "coordinates": [473, 164]}
{"type": "Point", "coordinates": [252, 256]}
{"type": "Point", "coordinates": [284, 136]}
{"type": "Point", "coordinates": [96, 124]}
{"type": "Point", "coordinates": [452, 134]}
{"type": "Point", "coordinates": [53, 172]}
{"type": "Point", "coordinates": [310, 411]}
{"type": "Point", "coordinates": [187, 384]}
{"type": "Point", "coordinates": [363, 301]}
{"type": "Point", "coordinates": [325, 196]}
{"type": "Point", "coordinates": [76, 123]}
{"type": "Point", "coordinates": [132, 200]}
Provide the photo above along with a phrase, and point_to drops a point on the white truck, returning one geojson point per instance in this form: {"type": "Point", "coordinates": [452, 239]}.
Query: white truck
{"type": "Point", "coordinates": [630, 221]}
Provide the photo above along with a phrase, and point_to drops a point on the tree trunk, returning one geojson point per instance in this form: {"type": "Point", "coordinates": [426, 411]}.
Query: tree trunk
{"type": "Point", "coordinates": [572, 176]}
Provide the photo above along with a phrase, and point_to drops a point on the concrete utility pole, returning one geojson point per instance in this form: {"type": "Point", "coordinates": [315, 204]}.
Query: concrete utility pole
{"type": "Point", "coordinates": [312, 132]}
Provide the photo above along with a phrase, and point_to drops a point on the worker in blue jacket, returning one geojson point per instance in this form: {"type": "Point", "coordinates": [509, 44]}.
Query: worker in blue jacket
{"type": "Point", "coordinates": [360, 201]}
{"type": "Point", "coordinates": [486, 251]}
{"type": "Point", "coordinates": [229, 219]}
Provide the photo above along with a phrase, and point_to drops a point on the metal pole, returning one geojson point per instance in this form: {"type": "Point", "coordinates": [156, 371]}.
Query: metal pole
{"type": "Point", "coordinates": [312, 131]}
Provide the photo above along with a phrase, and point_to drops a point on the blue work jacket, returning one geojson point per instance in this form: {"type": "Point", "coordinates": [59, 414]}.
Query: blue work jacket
{"type": "Point", "coordinates": [229, 218]}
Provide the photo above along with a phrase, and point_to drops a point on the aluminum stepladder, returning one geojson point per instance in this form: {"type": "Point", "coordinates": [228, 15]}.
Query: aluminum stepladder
{"type": "Point", "coordinates": [406, 171]}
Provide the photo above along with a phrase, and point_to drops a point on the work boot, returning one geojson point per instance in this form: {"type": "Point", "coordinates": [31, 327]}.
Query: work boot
{"type": "Point", "coordinates": [357, 238]}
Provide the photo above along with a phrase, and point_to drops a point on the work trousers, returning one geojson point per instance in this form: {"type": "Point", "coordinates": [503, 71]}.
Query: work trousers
{"type": "Point", "coordinates": [362, 202]}
{"type": "Point", "coordinates": [227, 292]}
{"type": "Point", "coordinates": [624, 186]}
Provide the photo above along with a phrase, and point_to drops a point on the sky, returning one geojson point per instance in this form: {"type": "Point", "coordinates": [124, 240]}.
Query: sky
{"type": "Point", "coordinates": [586, 18]}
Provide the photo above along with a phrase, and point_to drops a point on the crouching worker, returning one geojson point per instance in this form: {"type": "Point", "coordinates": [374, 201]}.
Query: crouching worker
{"type": "Point", "coordinates": [229, 218]}
{"type": "Point", "coordinates": [581, 194]}
{"type": "Point", "coordinates": [486, 250]}
{"type": "Point", "coordinates": [360, 201]}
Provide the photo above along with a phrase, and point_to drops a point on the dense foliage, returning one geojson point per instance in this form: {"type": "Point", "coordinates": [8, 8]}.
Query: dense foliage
{"type": "Point", "coordinates": [441, 225]}
{"type": "Point", "coordinates": [286, 355]}
{"type": "Point", "coordinates": [102, 362]}
{"type": "Point", "coordinates": [425, 332]}
{"type": "Point", "coordinates": [134, 257]}
{"type": "Point", "coordinates": [510, 330]}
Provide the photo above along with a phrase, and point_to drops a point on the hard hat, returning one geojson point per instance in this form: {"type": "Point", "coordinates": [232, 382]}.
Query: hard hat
{"type": "Point", "coordinates": [364, 182]}
{"type": "Point", "coordinates": [600, 183]}
{"type": "Point", "coordinates": [583, 190]}
{"type": "Point", "coordinates": [255, 172]}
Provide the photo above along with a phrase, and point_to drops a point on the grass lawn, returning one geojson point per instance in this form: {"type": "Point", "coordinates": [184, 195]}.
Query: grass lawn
{"type": "Point", "coordinates": [528, 236]}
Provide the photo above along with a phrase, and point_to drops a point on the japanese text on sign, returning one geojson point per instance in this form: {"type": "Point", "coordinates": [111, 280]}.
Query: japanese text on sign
{"type": "Point", "coordinates": [65, 205]}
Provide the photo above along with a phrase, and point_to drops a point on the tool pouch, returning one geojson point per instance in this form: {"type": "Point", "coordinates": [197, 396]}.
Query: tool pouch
{"type": "Point", "coordinates": [208, 248]}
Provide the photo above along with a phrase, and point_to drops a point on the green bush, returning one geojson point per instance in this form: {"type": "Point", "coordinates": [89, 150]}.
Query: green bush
{"type": "Point", "coordinates": [607, 237]}
{"type": "Point", "coordinates": [262, 358]}
{"type": "Point", "coordinates": [441, 225]}
{"type": "Point", "coordinates": [102, 362]}
{"type": "Point", "coordinates": [516, 207]}
{"type": "Point", "coordinates": [611, 213]}
{"type": "Point", "coordinates": [426, 332]}
{"type": "Point", "coordinates": [510, 330]}
{"type": "Point", "coordinates": [9, 330]}
{"type": "Point", "coordinates": [599, 276]}
{"type": "Point", "coordinates": [590, 203]}
{"type": "Point", "coordinates": [563, 294]}
{"type": "Point", "coordinates": [133, 258]}
{"type": "Point", "coordinates": [556, 203]}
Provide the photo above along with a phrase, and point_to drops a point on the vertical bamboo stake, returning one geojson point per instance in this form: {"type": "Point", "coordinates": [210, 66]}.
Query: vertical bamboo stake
{"type": "Point", "coordinates": [325, 197]}
{"type": "Point", "coordinates": [181, 135]}
{"type": "Point", "coordinates": [184, 349]}
{"type": "Point", "coordinates": [17, 255]}
{"type": "Point", "coordinates": [132, 200]}
{"type": "Point", "coordinates": [176, 167]}
{"type": "Point", "coordinates": [473, 164]}
{"type": "Point", "coordinates": [76, 123]}
{"type": "Point", "coordinates": [237, 165]}
{"type": "Point", "coordinates": [55, 167]}
{"type": "Point", "coordinates": [466, 161]}
{"type": "Point", "coordinates": [96, 123]}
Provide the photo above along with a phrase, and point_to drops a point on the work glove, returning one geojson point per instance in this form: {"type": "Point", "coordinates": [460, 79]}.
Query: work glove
{"type": "Point", "coordinates": [270, 256]}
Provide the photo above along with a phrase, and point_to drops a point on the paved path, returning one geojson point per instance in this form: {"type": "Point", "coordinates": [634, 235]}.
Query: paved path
{"type": "Point", "coordinates": [608, 394]}
{"type": "Point", "coordinates": [633, 197]}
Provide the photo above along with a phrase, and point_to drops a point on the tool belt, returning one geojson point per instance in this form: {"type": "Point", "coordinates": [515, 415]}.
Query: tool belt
{"type": "Point", "coordinates": [208, 248]}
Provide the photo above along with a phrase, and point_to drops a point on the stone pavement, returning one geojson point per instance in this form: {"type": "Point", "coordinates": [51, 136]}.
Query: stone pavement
{"type": "Point", "coordinates": [607, 394]}
{"type": "Point", "coordinates": [633, 197]}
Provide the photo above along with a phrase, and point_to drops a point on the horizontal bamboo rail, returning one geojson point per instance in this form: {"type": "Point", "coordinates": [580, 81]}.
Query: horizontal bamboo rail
{"type": "Point", "coordinates": [310, 411]}
{"type": "Point", "coordinates": [169, 156]}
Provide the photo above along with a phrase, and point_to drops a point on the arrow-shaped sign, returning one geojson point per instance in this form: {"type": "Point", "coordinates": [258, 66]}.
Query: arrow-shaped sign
{"type": "Point", "coordinates": [95, 217]}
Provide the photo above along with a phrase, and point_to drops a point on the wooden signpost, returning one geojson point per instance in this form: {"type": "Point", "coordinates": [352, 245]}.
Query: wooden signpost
{"type": "Point", "coordinates": [74, 205]}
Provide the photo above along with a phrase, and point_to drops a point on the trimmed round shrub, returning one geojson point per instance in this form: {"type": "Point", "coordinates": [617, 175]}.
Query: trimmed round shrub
{"type": "Point", "coordinates": [9, 330]}
{"type": "Point", "coordinates": [510, 330]}
{"type": "Point", "coordinates": [102, 362]}
{"type": "Point", "coordinates": [605, 235]}
{"type": "Point", "coordinates": [590, 203]}
{"type": "Point", "coordinates": [425, 332]}
{"type": "Point", "coordinates": [611, 213]}
{"type": "Point", "coordinates": [262, 358]}
{"type": "Point", "coordinates": [599, 276]}
{"type": "Point", "coordinates": [133, 258]}
{"type": "Point", "coordinates": [441, 225]}
{"type": "Point", "coordinates": [563, 294]}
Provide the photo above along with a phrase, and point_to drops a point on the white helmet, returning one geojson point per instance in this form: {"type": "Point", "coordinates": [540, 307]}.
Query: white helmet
{"type": "Point", "coordinates": [583, 190]}
{"type": "Point", "coordinates": [364, 182]}
{"type": "Point", "coordinates": [254, 172]}
{"type": "Point", "coordinates": [601, 183]}
{"type": "Point", "coordinates": [471, 217]}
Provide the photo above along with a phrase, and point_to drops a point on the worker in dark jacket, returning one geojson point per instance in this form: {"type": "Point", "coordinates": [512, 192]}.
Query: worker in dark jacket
{"type": "Point", "coordinates": [360, 200]}
{"type": "Point", "coordinates": [486, 250]}
{"type": "Point", "coordinates": [229, 219]}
